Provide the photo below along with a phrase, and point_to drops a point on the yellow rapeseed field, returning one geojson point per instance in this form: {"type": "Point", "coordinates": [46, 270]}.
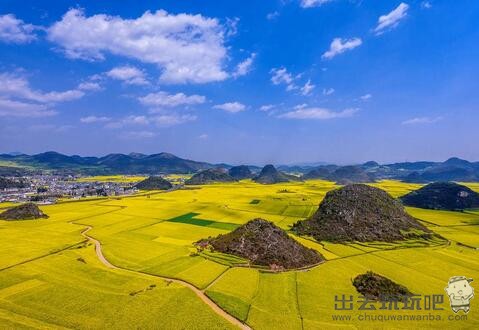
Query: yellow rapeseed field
{"type": "Point", "coordinates": [50, 276]}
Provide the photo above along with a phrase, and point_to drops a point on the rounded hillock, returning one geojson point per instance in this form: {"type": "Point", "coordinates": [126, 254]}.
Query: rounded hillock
{"type": "Point", "coordinates": [351, 174]}
{"type": "Point", "coordinates": [362, 213]}
{"type": "Point", "coordinates": [270, 175]}
{"type": "Point", "coordinates": [154, 183]}
{"type": "Point", "coordinates": [377, 287]}
{"type": "Point", "coordinates": [370, 164]}
{"type": "Point", "coordinates": [265, 244]}
{"type": "Point", "coordinates": [341, 175]}
{"type": "Point", "coordinates": [442, 196]}
{"type": "Point", "coordinates": [212, 175]}
{"type": "Point", "coordinates": [240, 172]}
{"type": "Point", "coordinates": [27, 211]}
{"type": "Point", "coordinates": [323, 173]}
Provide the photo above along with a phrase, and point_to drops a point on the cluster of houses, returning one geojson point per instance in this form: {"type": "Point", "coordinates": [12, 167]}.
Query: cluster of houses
{"type": "Point", "coordinates": [46, 189]}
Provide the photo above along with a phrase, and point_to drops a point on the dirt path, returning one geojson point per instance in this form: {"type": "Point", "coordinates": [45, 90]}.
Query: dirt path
{"type": "Point", "coordinates": [218, 310]}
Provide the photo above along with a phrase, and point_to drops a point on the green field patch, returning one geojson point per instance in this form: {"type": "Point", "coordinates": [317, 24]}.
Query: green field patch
{"type": "Point", "coordinates": [173, 241]}
{"type": "Point", "coordinates": [238, 282]}
{"type": "Point", "coordinates": [275, 302]}
{"type": "Point", "coordinates": [409, 243]}
{"type": "Point", "coordinates": [171, 266]}
{"type": "Point", "coordinates": [377, 245]}
{"type": "Point", "coordinates": [461, 234]}
{"type": "Point", "coordinates": [233, 305]}
{"type": "Point", "coordinates": [364, 247]}
{"type": "Point", "coordinates": [20, 288]}
{"type": "Point", "coordinates": [298, 211]}
{"type": "Point", "coordinates": [396, 188]}
{"type": "Point", "coordinates": [342, 250]}
{"type": "Point", "coordinates": [255, 201]}
{"type": "Point", "coordinates": [267, 207]}
{"type": "Point", "coordinates": [190, 219]}
{"type": "Point", "coordinates": [443, 218]}
{"type": "Point", "coordinates": [202, 273]}
{"type": "Point", "coordinates": [313, 244]}
{"type": "Point", "coordinates": [223, 258]}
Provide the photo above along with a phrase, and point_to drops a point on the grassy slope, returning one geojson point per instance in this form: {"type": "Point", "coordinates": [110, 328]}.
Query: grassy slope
{"type": "Point", "coordinates": [136, 234]}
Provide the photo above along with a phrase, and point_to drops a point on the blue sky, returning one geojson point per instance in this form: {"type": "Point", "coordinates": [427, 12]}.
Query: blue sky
{"type": "Point", "coordinates": [242, 81]}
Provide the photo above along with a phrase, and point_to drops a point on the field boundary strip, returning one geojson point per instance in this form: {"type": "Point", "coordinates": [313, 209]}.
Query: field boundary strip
{"type": "Point", "coordinates": [20, 287]}
{"type": "Point", "coordinates": [27, 321]}
{"type": "Point", "coordinates": [256, 292]}
{"type": "Point", "coordinates": [44, 255]}
{"type": "Point", "coordinates": [216, 279]}
{"type": "Point", "coordinates": [298, 306]}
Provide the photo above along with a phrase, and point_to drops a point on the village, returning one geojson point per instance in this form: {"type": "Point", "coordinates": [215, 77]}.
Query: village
{"type": "Point", "coordinates": [48, 189]}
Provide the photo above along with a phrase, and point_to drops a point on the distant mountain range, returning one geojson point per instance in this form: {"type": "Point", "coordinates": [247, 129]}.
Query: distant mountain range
{"type": "Point", "coordinates": [110, 164]}
{"type": "Point", "coordinates": [453, 169]}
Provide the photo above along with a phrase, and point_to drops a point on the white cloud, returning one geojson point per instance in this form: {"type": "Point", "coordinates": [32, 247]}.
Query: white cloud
{"type": "Point", "coordinates": [14, 30]}
{"type": "Point", "coordinates": [232, 107]}
{"type": "Point", "coordinates": [163, 99]}
{"type": "Point", "coordinates": [13, 108]}
{"type": "Point", "coordinates": [19, 99]}
{"type": "Point", "coordinates": [231, 28]}
{"type": "Point", "coordinates": [128, 121]}
{"type": "Point", "coordinates": [161, 110]}
{"type": "Point", "coordinates": [186, 48]}
{"type": "Point", "coordinates": [266, 107]}
{"type": "Point", "coordinates": [96, 77]}
{"type": "Point", "coordinates": [307, 88]}
{"type": "Point", "coordinates": [50, 128]}
{"type": "Point", "coordinates": [272, 15]}
{"type": "Point", "coordinates": [12, 85]}
{"type": "Point", "coordinates": [339, 46]}
{"type": "Point", "coordinates": [244, 67]}
{"type": "Point", "coordinates": [280, 76]}
{"type": "Point", "coordinates": [203, 136]}
{"type": "Point", "coordinates": [365, 97]}
{"type": "Point", "coordinates": [136, 120]}
{"type": "Point", "coordinates": [303, 112]}
{"type": "Point", "coordinates": [291, 87]}
{"type": "Point", "coordinates": [133, 135]}
{"type": "Point", "coordinates": [172, 119]}
{"type": "Point", "coordinates": [422, 120]}
{"type": "Point", "coordinates": [89, 86]}
{"type": "Point", "coordinates": [313, 3]}
{"type": "Point", "coordinates": [128, 74]}
{"type": "Point", "coordinates": [426, 5]}
{"type": "Point", "coordinates": [55, 97]}
{"type": "Point", "coordinates": [162, 120]}
{"type": "Point", "coordinates": [94, 119]}
{"type": "Point", "coordinates": [300, 106]}
{"type": "Point", "coordinates": [392, 19]}
{"type": "Point", "coordinates": [328, 91]}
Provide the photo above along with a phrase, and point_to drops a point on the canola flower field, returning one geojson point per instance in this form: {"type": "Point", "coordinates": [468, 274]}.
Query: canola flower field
{"type": "Point", "coordinates": [51, 277]}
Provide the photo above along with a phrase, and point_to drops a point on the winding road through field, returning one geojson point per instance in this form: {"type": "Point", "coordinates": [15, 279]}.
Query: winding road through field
{"type": "Point", "coordinates": [218, 310]}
